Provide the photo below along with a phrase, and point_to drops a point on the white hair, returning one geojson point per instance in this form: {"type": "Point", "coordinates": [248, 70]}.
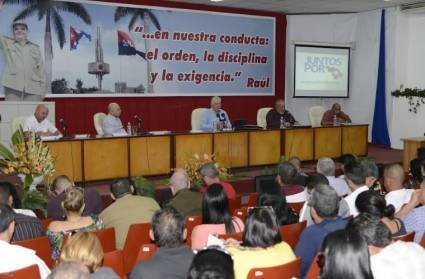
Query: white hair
{"type": "Point", "coordinates": [326, 166]}
{"type": "Point", "coordinates": [215, 100]}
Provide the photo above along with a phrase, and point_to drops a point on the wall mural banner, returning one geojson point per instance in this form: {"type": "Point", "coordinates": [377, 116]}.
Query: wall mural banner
{"type": "Point", "coordinates": [89, 49]}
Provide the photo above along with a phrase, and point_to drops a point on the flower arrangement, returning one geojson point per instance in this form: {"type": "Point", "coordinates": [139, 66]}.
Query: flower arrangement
{"type": "Point", "coordinates": [194, 164]}
{"type": "Point", "coordinates": [29, 157]}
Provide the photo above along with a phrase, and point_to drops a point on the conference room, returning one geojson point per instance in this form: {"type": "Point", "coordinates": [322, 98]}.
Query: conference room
{"type": "Point", "coordinates": [123, 120]}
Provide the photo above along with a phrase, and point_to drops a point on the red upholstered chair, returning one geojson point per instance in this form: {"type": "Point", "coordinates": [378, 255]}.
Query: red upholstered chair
{"type": "Point", "coordinates": [422, 243]}
{"type": "Point", "coordinates": [314, 270]}
{"type": "Point", "coordinates": [297, 206]}
{"type": "Point", "coordinates": [241, 213]}
{"type": "Point", "coordinates": [115, 260]}
{"type": "Point", "coordinates": [291, 233]}
{"type": "Point", "coordinates": [237, 236]}
{"type": "Point", "coordinates": [107, 239]}
{"type": "Point", "coordinates": [191, 222]}
{"type": "Point", "coordinates": [407, 237]}
{"type": "Point", "coordinates": [138, 234]}
{"type": "Point", "coordinates": [146, 252]}
{"type": "Point", "coordinates": [235, 203]}
{"type": "Point", "coordinates": [288, 270]}
{"type": "Point", "coordinates": [46, 222]}
{"type": "Point", "coordinates": [41, 247]}
{"type": "Point", "coordinates": [31, 271]}
{"type": "Point", "coordinates": [252, 201]}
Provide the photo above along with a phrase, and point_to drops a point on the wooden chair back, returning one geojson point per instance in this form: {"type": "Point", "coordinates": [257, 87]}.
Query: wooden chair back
{"type": "Point", "coordinates": [191, 222]}
{"type": "Point", "coordinates": [407, 237]}
{"type": "Point", "coordinates": [115, 260]}
{"type": "Point", "coordinates": [138, 234]}
{"type": "Point", "coordinates": [41, 246]}
{"type": "Point", "coordinates": [288, 270]}
{"type": "Point", "coordinates": [291, 233]}
{"type": "Point", "coordinates": [146, 252]}
{"type": "Point", "coordinates": [107, 239]}
{"type": "Point", "coordinates": [31, 271]}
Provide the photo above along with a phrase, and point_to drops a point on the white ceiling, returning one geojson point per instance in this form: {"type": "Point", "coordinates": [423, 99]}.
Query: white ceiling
{"type": "Point", "coordinates": [305, 6]}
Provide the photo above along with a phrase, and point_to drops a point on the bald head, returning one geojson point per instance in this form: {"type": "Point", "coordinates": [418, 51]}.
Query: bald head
{"type": "Point", "coordinates": [41, 112]}
{"type": "Point", "coordinates": [393, 177]}
{"type": "Point", "coordinates": [114, 109]}
{"type": "Point", "coordinates": [179, 180]}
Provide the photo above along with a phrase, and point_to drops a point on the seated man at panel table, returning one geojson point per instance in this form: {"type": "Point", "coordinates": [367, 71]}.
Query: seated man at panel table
{"type": "Point", "coordinates": [279, 116]}
{"type": "Point", "coordinates": [112, 124]}
{"type": "Point", "coordinates": [39, 124]}
{"type": "Point", "coordinates": [335, 113]}
{"type": "Point", "coordinates": [215, 118]}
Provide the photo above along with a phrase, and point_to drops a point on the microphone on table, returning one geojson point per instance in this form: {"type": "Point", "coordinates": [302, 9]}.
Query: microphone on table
{"type": "Point", "coordinates": [64, 125]}
{"type": "Point", "coordinates": [138, 121]}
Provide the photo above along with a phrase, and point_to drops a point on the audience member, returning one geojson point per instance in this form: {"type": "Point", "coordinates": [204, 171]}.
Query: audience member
{"type": "Point", "coordinates": [375, 204]}
{"type": "Point", "coordinates": [301, 177]}
{"type": "Point", "coordinates": [395, 260]}
{"type": "Point", "coordinates": [112, 124]}
{"type": "Point", "coordinates": [284, 214]}
{"type": "Point", "coordinates": [216, 217]}
{"type": "Point", "coordinates": [324, 203]}
{"type": "Point", "coordinates": [211, 263]}
{"type": "Point", "coordinates": [312, 181]}
{"type": "Point", "coordinates": [356, 180]}
{"type": "Point", "coordinates": [16, 201]}
{"type": "Point", "coordinates": [184, 199]}
{"type": "Point", "coordinates": [416, 172]}
{"type": "Point", "coordinates": [393, 181]}
{"type": "Point", "coordinates": [413, 214]}
{"type": "Point", "coordinates": [371, 172]}
{"type": "Point", "coordinates": [126, 210]}
{"type": "Point", "coordinates": [293, 192]}
{"type": "Point", "coordinates": [39, 124]}
{"type": "Point", "coordinates": [26, 227]}
{"type": "Point", "coordinates": [345, 255]}
{"type": "Point", "coordinates": [215, 118]}
{"type": "Point", "coordinates": [211, 176]}
{"type": "Point", "coordinates": [279, 116]}
{"type": "Point", "coordinates": [13, 257]}
{"type": "Point", "coordinates": [335, 116]}
{"type": "Point", "coordinates": [262, 244]}
{"type": "Point", "coordinates": [73, 205]}
{"type": "Point", "coordinates": [93, 201]}
{"type": "Point", "coordinates": [70, 270]}
{"type": "Point", "coordinates": [85, 247]}
{"type": "Point", "coordinates": [344, 160]}
{"type": "Point", "coordinates": [326, 166]}
{"type": "Point", "coordinates": [168, 231]}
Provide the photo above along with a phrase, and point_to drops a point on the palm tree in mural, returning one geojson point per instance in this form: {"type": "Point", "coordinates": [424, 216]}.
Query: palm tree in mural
{"type": "Point", "coordinates": [146, 16]}
{"type": "Point", "coordinates": [51, 11]}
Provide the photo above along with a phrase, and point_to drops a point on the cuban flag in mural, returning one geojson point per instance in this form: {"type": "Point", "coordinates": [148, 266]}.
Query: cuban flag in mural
{"type": "Point", "coordinates": [126, 45]}
{"type": "Point", "coordinates": [76, 36]}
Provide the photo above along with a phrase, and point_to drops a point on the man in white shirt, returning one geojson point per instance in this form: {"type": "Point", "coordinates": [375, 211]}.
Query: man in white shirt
{"type": "Point", "coordinates": [39, 124]}
{"type": "Point", "coordinates": [326, 166]}
{"type": "Point", "coordinates": [389, 260]}
{"type": "Point", "coordinates": [215, 118]}
{"type": "Point", "coordinates": [393, 181]}
{"type": "Point", "coordinates": [112, 124]}
{"type": "Point", "coordinates": [356, 180]}
{"type": "Point", "coordinates": [13, 257]}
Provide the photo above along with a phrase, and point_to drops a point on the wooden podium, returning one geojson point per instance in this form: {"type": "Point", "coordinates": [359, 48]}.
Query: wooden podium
{"type": "Point", "coordinates": [410, 146]}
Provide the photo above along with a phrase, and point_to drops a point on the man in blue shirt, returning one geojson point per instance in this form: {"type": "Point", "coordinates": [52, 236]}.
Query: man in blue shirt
{"type": "Point", "coordinates": [324, 203]}
{"type": "Point", "coordinates": [215, 118]}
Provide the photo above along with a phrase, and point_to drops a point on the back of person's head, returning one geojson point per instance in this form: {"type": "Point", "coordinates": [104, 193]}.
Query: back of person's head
{"type": "Point", "coordinates": [287, 172]}
{"type": "Point", "coordinates": [372, 229]}
{"type": "Point", "coordinates": [394, 177]}
{"type": "Point", "coordinates": [73, 200]}
{"type": "Point", "coordinates": [211, 264]}
{"type": "Point", "coordinates": [7, 216]}
{"type": "Point", "coordinates": [179, 180]}
{"type": "Point", "coordinates": [416, 169]}
{"type": "Point", "coordinates": [5, 193]}
{"type": "Point", "coordinates": [373, 203]}
{"type": "Point", "coordinates": [209, 170]}
{"type": "Point", "coordinates": [420, 153]}
{"type": "Point", "coordinates": [261, 228]}
{"type": "Point", "coordinates": [345, 256]}
{"type": "Point", "coordinates": [83, 247]}
{"type": "Point", "coordinates": [278, 203]}
{"type": "Point", "coordinates": [168, 227]}
{"type": "Point", "coordinates": [326, 166]}
{"type": "Point", "coordinates": [215, 207]}
{"type": "Point", "coordinates": [325, 201]}
{"type": "Point", "coordinates": [61, 183]}
{"type": "Point", "coordinates": [315, 179]}
{"type": "Point", "coordinates": [355, 173]}
{"type": "Point", "coordinates": [345, 159]}
{"type": "Point", "coordinates": [296, 162]}
{"type": "Point", "coordinates": [370, 168]}
{"type": "Point", "coordinates": [121, 187]}
{"type": "Point", "coordinates": [70, 270]}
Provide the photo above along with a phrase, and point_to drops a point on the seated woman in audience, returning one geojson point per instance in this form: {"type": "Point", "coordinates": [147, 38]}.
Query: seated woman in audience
{"type": "Point", "coordinates": [73, 206]}
{"type": "Point", "coordinates": [285, 215]}
{"type": "Point", "coordinates": [211, 263]}
{"type": "Point", "coordinates": [373, 203]}
{"type": "Point", "coordinates": [85, 247]}
{"type": "Point", "coordinates": [345, 255]}
{"type": "Point", "coordinates": [216, 217]}
{"type": "Point", "coordinates": [262, 244]}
